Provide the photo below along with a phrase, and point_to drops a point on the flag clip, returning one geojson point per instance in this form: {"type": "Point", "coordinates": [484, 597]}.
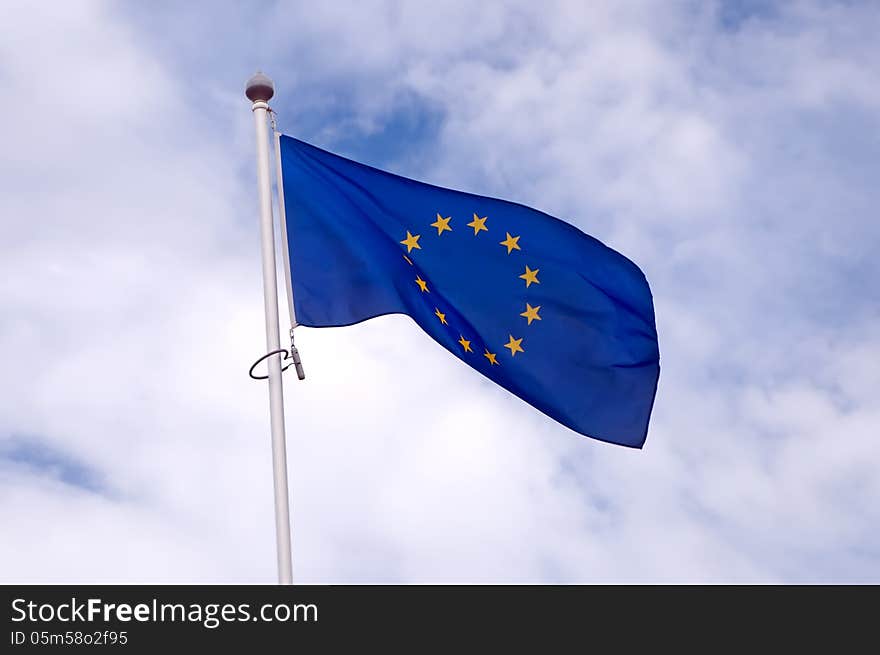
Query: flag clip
{"type": "Point", "coordinates": [292, 355]}
{"type": "Point", "coordinates": [297, 362]}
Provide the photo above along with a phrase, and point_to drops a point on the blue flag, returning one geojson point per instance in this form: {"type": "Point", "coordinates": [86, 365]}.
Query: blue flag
{"type": "Point", "coordinates": [534, 304]}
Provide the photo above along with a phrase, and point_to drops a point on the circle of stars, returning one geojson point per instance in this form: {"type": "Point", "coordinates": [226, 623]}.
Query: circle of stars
{"type": "Point", "coordinates": [511, 243]}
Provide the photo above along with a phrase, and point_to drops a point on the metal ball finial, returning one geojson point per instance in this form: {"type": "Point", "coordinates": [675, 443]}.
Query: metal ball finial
{"type": "Point", "coordinates": [259, 88]}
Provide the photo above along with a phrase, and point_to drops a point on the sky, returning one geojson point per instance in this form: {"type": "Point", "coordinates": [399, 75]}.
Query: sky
{"type": "Point", "coordinates": [730, 149]}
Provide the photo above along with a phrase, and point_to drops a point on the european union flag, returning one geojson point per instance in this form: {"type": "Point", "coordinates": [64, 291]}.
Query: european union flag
{"type": "Point", "coordinates": [534, 304]}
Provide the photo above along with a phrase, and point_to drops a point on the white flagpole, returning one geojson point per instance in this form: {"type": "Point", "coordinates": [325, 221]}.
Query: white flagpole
{"type": "Point", "coordinates": [259, 91]}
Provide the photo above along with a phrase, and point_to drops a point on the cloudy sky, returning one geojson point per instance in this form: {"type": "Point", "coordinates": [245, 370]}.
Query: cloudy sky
{"type": "Point", "coordinates": [729, 148]}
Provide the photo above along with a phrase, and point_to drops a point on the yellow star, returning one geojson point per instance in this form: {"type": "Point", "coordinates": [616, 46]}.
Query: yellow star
{"type": "Point", "coordinates": [422, 284]}
{"type": "Point", "coordinates": [408, 260]}
{"type": "Point", "coordinates": [531, 313]}
{"type": "Point", "coordinates": [441, 316]}
{"type": "Point", "coordinates": [530, 276]}
{"type": "Point", "coordinates": [478, 224]}
{"type": "Point", "coordinates": [465, 344]}
{"type": "Point", "coordinates": [491, 358]}
{"type": "Point", "coordinates": [514, 346]}
{"type": "Point", "coordinates": [442, 224]}
{"type": "Point", "coordinates": [511, 243]}
{"type": "Point", "coordinates": [411, 242]}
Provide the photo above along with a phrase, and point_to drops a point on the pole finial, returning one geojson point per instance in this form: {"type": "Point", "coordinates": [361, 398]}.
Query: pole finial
{"type": "Point", "coordinates": [259, 88]}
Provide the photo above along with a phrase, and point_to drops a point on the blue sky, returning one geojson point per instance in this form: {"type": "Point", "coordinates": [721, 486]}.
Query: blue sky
{"type": "Point", "coordinates": [730, 149]}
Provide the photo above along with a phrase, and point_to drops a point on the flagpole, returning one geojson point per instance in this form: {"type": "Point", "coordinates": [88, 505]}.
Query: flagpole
{"type": "Point", "coordinates": [259, 91]}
